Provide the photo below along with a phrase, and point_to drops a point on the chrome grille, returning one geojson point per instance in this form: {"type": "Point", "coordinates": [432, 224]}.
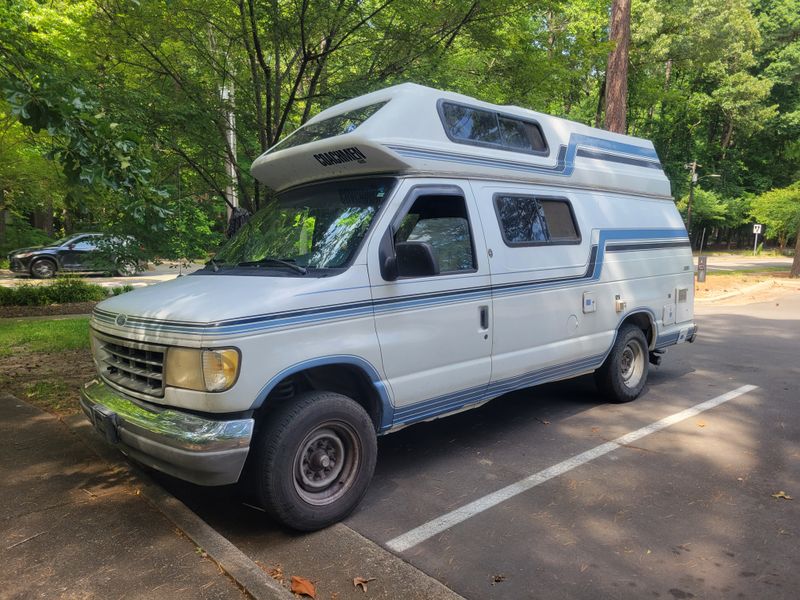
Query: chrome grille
{"type": "Point", "coordinates": [130, 365]}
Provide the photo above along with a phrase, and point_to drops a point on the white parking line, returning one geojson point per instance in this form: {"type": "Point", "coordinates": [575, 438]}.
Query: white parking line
{"type": "Point", "coordinates": [438, 525]}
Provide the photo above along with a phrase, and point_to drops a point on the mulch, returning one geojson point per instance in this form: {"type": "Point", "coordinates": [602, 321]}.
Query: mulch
{"type": "Point", "coordinates": [72, 308]}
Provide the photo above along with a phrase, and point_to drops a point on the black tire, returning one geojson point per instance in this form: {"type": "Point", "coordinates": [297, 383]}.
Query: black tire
{"type": "Point", "coordinates": [127, 268]}
{"type": "Point", "coordinates": [43, 268]}
{"type": "Point", "coordinates": [314, 459]}
{"type": "Point", "coordinates": [624, 372]}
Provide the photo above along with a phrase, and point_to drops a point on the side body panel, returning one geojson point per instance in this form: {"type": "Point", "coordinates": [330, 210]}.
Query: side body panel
{"type": "Point", "coordinates": [435, 351]}
{"type": "Point", "coordinates": [633, 257]}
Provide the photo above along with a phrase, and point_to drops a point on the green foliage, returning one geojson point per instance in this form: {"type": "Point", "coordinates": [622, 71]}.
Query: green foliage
{"type": "Point", "coordinates": [43, 335]}
{"type": "Point", "coordinates": [20, 234]}
{"type": "Point", "coordinates": [63, 290]}
{"type": "Point", "coordinates": [125, 97]}
{"type": "Point", "coordinates": [779, 211]}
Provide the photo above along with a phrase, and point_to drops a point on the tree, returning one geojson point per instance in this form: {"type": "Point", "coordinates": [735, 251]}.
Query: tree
{"type": "Point", "coordinates": [616, 88]}
{"type": "Point", "coordinates": [779, 211]}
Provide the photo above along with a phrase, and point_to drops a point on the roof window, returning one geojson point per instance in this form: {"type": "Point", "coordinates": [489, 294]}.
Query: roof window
{"type": "Point", "coordinates": [346, 122]}
{"type": "Point", "coordinates": [481, 127]}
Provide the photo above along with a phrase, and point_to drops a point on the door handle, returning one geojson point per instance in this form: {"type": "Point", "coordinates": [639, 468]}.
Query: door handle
{"type": "Point", "coordinates": [484, 317]}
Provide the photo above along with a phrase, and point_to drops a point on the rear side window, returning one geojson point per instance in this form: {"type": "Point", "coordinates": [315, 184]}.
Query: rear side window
{"type": "Point", "coordinates": [469, 125]}
{"type": "Point", "coordinates": [528, 220]}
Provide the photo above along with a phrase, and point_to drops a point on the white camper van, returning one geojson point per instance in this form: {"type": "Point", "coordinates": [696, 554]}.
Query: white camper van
{"type": "Point", "coordinates": [425, 253]}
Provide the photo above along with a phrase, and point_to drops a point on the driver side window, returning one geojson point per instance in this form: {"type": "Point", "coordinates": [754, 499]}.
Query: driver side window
{"type": "Point", "coordinates": [442, 222]}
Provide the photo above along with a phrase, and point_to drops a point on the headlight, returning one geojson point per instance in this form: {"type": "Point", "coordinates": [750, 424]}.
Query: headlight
{"type": "Point", "coordinates": [203, 370]}
{"type": "Point", "coordinates": [22, 255]}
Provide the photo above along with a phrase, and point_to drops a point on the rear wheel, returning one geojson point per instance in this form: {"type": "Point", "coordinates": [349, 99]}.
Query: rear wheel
{"type": "Point", "coordinates": [314, 460]}
{"type": "Point", "coordinates": [126, 268]}
{"type": "Point", "coordinates": [43, 268]}
{"type": "Point", "coordinates": [624, 372]}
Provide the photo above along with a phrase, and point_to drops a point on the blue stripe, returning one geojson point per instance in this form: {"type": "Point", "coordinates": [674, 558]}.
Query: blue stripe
{"type": "Point", "coordinates": [367, 307]}
{"type": "Point", "coordinates": [565, 162]}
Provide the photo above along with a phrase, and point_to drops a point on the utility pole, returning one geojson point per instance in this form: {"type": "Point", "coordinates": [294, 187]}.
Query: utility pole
{"type": "Point", "coordinates": [693, 168]}
{"type": "Point", "coordinates": [227, 93]}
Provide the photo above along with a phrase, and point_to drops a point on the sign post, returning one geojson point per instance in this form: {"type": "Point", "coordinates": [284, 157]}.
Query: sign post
{"type": "Point", "coordinates": [756, 230]}
{"type": "Point", "coordinates": [702, 267]}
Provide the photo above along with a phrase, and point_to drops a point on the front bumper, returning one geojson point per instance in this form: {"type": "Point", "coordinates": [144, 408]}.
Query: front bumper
{"type": "Point", "coordinates": [18, 266]}
{"type": "Point", "coordinates": [193, 448]}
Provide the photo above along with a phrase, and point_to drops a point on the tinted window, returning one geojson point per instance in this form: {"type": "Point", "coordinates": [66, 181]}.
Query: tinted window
{"type": "Point", "coordinates": [338, 125]}
{"type": "Point", "coordinates": [528, 220]}
{"type": "Point", "coordinates": [484, 127]}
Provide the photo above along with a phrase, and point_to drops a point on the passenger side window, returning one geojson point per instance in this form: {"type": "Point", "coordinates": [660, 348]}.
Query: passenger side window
{"type": "Point", "coordinates": [442, 222]}
{"type": "Point", "coordinates": [527, 220]}
{"type": "Point", "coordinates": [85, 244]}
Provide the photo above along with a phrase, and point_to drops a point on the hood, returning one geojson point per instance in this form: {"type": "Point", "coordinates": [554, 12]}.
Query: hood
{"type": "Point", "coordinates": [214, 304]}
{"type": "Point", "coordinates": [30, 249]}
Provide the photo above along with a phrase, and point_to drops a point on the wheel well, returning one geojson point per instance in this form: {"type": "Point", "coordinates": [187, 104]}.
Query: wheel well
{"type": "Point", "coordinates": [348, 380]}
{"type": "Point", "coordinates": [644, 322]}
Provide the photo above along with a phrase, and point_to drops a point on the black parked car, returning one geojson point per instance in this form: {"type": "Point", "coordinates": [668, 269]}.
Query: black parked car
{"type": "Point", "coordinates": [85, 252]}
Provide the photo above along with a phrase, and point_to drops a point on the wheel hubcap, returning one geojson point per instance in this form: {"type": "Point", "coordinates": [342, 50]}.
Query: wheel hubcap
{"type": "Point", "coordinates": [632, 364]}
{"type": "Point", "coordinates": [43, 269]}
{"type": "Point", "coordinates": [327, 463]}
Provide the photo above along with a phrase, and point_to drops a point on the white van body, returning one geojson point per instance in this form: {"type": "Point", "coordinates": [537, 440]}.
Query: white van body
{"type": "Point", "coordinates": [498, 314]}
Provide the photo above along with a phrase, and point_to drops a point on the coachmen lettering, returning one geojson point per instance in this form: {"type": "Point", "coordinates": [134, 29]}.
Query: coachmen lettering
{"type": "Point", "coordinates": [337, 157]}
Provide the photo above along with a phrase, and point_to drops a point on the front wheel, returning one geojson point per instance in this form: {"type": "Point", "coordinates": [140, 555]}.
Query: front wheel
{"type": "Point", "coordinates": [314, 460]}
{"type": "Point", "coordinates": [624, 372]}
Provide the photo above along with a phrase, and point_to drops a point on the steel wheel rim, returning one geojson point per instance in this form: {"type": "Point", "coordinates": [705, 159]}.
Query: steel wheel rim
{"type": "Point", "coordinates": [43, 269]}
{"type": "Point", "coordinates": [632, 364]}
{"type": "Point", "coordinates": [327, 462]}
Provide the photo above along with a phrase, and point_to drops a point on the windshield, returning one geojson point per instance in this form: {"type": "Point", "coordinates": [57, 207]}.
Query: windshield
{"type": "Point", "coordinates": [315, 227]}
{"type": "Point", "coordinates": [62, 241]}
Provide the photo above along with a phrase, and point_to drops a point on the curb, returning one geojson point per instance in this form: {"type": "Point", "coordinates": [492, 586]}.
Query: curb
{"type": "Point", "coordinates": [232, 561]}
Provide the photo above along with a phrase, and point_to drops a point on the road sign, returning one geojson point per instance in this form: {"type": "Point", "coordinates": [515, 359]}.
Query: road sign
{"type": "Point", "coordinates": [757, 228]}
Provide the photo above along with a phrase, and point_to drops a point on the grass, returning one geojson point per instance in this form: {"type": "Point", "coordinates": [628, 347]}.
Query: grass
{"type": "Point", "coordinates": [773, 252]}
{"type": "Point", "coordinates": [46, 361]}
{"type": "Point", "coordinates": [43, 335]}
{"type": "Point", "coordinates": [53, 395]}
{"type": "Point", "coordinates": [753, 271]}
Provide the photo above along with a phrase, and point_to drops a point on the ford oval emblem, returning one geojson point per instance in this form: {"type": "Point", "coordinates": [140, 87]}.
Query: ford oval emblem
{"type": "Point", "coordinates": [120, 320]}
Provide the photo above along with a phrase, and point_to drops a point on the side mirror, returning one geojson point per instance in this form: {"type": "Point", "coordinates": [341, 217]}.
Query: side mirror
{"type": "Point", "coordinates": [71, 246]}
{"type": "Point", "coordinates": [416, 259]}
{"type": "Point", "coordinates": [387, 258]}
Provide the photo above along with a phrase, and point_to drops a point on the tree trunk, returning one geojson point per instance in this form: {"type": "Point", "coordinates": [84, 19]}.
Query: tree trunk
{"type": "Point", "coordinates": [617, 70]}
{"type": "Point", "coordinates": [796, 262]}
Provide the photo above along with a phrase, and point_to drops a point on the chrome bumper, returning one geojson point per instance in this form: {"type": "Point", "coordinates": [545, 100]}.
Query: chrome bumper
{"type": "Point", "coordinates": [196, 449]}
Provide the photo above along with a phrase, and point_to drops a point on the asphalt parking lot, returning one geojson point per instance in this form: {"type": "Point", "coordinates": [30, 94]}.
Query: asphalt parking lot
{"type": "Point", "coordinates": [686, 509]}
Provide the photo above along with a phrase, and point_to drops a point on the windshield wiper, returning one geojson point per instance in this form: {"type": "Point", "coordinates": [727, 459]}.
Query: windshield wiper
{"type": "Point", "coordinates": [274, 261]}
{"type": "Point", "coordinates": [213, 264]}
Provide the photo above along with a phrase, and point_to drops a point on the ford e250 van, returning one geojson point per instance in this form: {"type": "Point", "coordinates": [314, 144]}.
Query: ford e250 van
{"type": "Point", "coordinates": [425, 253]}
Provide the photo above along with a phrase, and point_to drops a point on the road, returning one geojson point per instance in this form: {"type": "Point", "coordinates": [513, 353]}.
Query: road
{"type": "Point", "coordinates": [154, 274]}
{"type": "Point", "coordinates": [747, 263]}
{"type": "Point", "coordinates": [170, 270]}
{"type": "Point", "coordinates": [685, 511]}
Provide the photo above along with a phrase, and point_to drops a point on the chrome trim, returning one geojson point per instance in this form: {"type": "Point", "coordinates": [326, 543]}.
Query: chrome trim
{"type": "Point", "coordinates": [194, 448]}
{"type": "Point", "coordinates": [130, 365]}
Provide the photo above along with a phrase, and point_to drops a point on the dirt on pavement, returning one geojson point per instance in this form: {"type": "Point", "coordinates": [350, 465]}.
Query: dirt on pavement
{"type": "Point", "coordinates": [745, 288]}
